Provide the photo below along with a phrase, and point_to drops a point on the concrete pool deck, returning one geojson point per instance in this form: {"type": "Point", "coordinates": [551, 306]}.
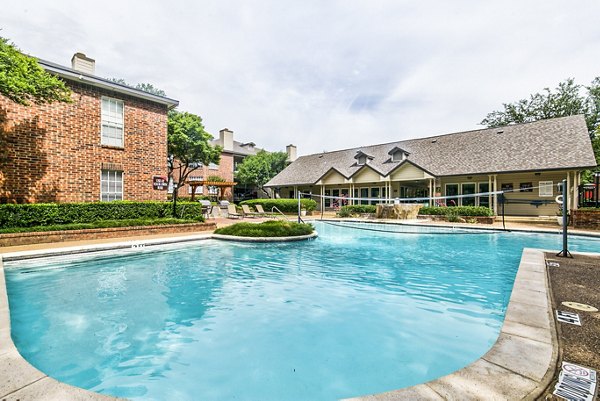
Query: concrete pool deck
{"type": "Point", "coordinates": [520, 365]}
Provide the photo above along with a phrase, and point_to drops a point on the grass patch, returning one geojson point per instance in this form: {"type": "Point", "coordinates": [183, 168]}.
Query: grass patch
{"type": "Point", "coordinates": [97, 224]}
{"type": "Point", "coordinates": [274, 228]}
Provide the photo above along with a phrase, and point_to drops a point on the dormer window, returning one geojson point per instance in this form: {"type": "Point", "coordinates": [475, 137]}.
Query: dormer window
{"type": "Point", "coordinates": [362, 158]}
{"type": "Point", "coordinates": [398, 154]}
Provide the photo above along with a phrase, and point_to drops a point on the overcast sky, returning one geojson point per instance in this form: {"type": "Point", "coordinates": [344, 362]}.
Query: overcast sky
{"type": "Point", "coordinates": [323, 75]}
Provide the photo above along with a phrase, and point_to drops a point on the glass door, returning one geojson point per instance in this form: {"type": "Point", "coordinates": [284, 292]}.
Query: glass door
{"type": "Point", "coordinates": [468, 189]}
{"type": "Point", "coordinates": [485, 199]}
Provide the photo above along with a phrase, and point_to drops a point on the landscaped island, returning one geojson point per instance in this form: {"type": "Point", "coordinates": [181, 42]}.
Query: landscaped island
{"type": "Point", "coordinates": [273, 228]}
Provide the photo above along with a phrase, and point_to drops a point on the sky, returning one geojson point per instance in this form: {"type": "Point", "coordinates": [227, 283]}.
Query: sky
{"type": "Point", "coordinates": [323, 75]}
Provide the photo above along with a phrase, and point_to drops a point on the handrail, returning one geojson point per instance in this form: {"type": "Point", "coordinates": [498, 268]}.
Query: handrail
{"type": "Point", "coordinates": [280, 212]}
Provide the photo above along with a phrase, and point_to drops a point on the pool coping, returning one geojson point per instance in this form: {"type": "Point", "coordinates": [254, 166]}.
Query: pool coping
{"type": "Point", "coordinates": [520, 365]}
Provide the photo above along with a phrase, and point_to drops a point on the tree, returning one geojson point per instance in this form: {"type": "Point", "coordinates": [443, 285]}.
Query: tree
{"type": "Point", "coordinates": [565, 100]}
{"type": "Point", "coordinates": [188, 148]}
{"type": "Point", "coordinates": [24, 81]}
{"type": "Point", "coordinates": [146, 87]}
{"type": "Point", "coordinates": [260, 168]}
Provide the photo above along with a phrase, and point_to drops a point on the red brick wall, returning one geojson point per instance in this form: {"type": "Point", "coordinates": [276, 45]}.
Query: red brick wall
{"type": "Point", "coordinates": [16, 239]}
{"type": "Point", "coordinates": [225, 171]}
{"type": "Point", "coordinates": [52, 153]}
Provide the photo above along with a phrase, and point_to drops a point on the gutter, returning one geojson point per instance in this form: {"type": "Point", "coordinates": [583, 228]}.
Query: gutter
{"type": "Point", "coordinates": [82, 77]}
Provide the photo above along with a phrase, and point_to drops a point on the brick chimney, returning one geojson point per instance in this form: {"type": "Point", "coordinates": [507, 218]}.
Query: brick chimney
{"type": "Point", "coordinates": [291, 152]}
{"type": "Point", "coordinates": [80, 62]}
{"type": "Point", "coordinates": [226, 139]}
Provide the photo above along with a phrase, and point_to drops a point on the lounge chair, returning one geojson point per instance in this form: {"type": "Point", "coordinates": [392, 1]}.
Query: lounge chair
{"type": "Point", "coordinates": [260, 211]}
{"type": "Point", "coordinates": [232, 212]}
{"type": "Point", "coordinates": [207, 208]}
{"type": "Point", "coordinates": [248, 212]}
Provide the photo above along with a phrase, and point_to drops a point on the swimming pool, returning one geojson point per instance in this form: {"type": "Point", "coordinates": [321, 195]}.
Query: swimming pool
{"type": "Point", "coordinates": [353, 312]}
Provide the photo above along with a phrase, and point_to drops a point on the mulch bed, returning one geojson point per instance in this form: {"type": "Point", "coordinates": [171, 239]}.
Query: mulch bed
{"type": "Point", "coordinates": [576, 280]}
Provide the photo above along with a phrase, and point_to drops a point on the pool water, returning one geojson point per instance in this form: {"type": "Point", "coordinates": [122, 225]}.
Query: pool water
{"type": "Point", "coordinates": [353, 312]}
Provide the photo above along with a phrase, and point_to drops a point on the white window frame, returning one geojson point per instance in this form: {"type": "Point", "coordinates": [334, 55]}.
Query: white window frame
{"type": "Point", "coordinates": [213, 166]}
{"type": "Point", "coordinates": [199, 190]}
{"type": "Point", "coordinates": [115, 195]}
{"type": "Point", "coordinates": [112, 122]}
{"type": "Point", "coordinates": [545, 189]}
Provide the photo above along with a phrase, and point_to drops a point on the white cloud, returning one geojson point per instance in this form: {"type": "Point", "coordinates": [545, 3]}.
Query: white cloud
{"type": "Point", "coordinates": [323, 75]}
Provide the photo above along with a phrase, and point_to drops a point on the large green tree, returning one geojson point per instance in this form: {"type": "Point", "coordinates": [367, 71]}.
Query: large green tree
{"type": "Point", "coordinates": [188, 147]}
{"type": "Point", "coordinates": [24, 81]}
{"type": "Point", "coordinates": [567, 99]}
{"type": "Point", "coordinates": [260, 168]}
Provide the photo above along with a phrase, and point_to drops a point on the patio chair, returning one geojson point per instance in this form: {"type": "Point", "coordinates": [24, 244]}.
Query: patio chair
{"type": "Point", "coordinates": [261, 212]}
{"type": "Point", "coordinates": [232, 212]}
{"type": "Point", "coordinates": [207, 208]}
{"type": "Point", "coordinates": [248, 212]}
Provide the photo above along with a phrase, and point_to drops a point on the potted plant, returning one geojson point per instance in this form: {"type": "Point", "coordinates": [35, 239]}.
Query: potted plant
{"type": "Point", "coordinates": [303, 212]}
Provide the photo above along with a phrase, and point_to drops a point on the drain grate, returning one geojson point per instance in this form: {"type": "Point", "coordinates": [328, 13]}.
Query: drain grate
{"type": "Point", "coordinates": [568, 317]}
{"type": "Point", "coordinates": [578, 306]}
{"type": "Point", "coordinates": [576, 383]}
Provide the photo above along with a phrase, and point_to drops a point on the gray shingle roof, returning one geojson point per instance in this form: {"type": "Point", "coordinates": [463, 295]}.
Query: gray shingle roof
{"type": "Point", "coordinates": [240, 148]}
{"type": "Point", "coordinates": [551, 144]}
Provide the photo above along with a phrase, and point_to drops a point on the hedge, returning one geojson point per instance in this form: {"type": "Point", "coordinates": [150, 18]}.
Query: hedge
{"type": "Point", "coordinates": [358, 209]}
{"type": "Point", "coordinates": [285, 205]}
{"type": "Point", "coordinates": [98, 224]}
{"type": "Point", "coordinates": [46, 214]}
{"type": "Point", "coordinates": [456, 210]}
{"type": "Point", "coordinates": [274, 228]}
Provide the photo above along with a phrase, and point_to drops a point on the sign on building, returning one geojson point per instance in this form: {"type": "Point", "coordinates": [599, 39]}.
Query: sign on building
{"type": "Point", "coordinates": [159, 183]}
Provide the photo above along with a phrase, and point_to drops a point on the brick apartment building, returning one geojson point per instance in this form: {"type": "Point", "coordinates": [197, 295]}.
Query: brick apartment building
{"type": "Point", "coordinates": [234, 153]}
{"type": "Point", "coordinates": [110, 143]}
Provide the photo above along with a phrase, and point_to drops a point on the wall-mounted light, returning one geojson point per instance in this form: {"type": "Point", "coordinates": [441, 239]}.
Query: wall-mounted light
{"type": "Point", "coordinates": [538, 173]}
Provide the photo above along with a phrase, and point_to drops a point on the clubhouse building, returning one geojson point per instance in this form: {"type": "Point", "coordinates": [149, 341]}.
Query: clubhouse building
{"type": "Point", "coordinates": [526, 161]}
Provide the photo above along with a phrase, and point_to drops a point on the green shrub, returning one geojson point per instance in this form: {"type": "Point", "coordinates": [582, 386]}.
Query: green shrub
{"type": "Point", "coordinates": [285, 205]}
{"type": "Point", "coordinates": [273, 228]}
{"type": "Point", "coordinates": [46, 214]}
{"type": "Point", "coordinates": [98, 224]}
{"type": "Point", "coordinates": [458, 210]}
{"type": "Point", "coordinates": [352, 210]}
{"type": "Point", "coordinates": [452, 215]}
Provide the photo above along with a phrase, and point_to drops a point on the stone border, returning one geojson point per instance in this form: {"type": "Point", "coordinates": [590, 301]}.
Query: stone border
{"type": "Point", "coordinates": [264, 239]}
{"type": "Point", "coordinates": [521, 363]}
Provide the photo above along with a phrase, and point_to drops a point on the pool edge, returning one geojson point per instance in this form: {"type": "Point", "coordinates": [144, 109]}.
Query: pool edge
{"type": "Point", "coordinates": [522, 361]}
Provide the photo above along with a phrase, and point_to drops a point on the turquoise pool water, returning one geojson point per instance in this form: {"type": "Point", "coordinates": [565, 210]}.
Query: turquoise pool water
{"type": "Point", "coordinates": [351, 313]}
